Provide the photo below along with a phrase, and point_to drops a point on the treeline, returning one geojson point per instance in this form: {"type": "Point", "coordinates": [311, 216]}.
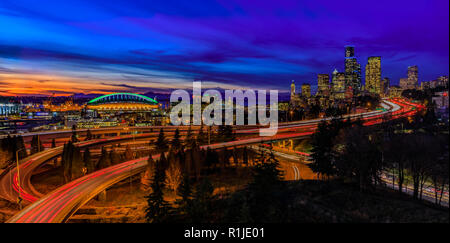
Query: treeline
{"type": "Point", "coordinates": [76, 163]}
{"type": "Point", "coordinates": [179, 156]}
{"type": "Point", "coordinates": [410, 147]}
{"type": "Point", "coordinates": [261, 201]}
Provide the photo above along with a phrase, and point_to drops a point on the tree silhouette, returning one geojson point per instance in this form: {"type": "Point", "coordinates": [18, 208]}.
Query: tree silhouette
{"type": "Point", "coordinates": [322, 150]}
{"type": "Point", "coordinates": [189, 140]}
{"type": "Point", "coordinates": [74, 137]}
{"type": "Point", "coordinates": [158, 210]}
{"type": "Point", "coordinates": [264, 201]}
{"type": "Point", "coordinates": [104, 160]}
{"type": "Point", "coordinates": [161, 143]}
{"type": "Point", "coordinates": [358, 156]}
{"type": "Point", "coordinates": [176, 142]}
{"type": "Point", "coordinates": [185, 194]}
{"type": "Point", "coordinates": [88, 162]}
{"type": "Point", "coordinates": [36, 145]}
{"type": "Point", "coordinates": [149, 173]}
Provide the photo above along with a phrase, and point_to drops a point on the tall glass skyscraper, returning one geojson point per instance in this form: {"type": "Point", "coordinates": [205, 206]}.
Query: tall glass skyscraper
{"type": "Point", "coordinates": [373, 75]}
{"type": "Point", "coordinates": [352, 70]}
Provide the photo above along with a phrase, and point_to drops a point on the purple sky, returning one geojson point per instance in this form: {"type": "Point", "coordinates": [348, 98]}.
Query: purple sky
{"type": "Point", "coordinates": [64, 47]}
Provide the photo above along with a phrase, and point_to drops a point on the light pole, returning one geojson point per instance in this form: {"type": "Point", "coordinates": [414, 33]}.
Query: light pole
{"type": "Point", "coordinates": [18, 177]}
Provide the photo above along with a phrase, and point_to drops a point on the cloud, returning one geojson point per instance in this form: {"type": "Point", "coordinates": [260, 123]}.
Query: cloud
{"type": "Point", "coordinates": [162, 44]}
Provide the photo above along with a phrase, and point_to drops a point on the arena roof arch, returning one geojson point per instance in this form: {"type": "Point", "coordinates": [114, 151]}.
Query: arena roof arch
{"type": "Point", "coordinates": [123, 102]}
{"type": "Point", "coordinates": [122, 97]}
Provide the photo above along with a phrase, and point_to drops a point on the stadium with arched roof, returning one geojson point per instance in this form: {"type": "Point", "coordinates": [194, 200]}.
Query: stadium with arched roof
{"type": "Point", "coordinates": [123, 102]}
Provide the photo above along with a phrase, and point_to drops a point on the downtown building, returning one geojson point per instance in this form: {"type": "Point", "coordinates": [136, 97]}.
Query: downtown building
{"type": "Point", "coordinates": [412, 81]}
{"type": "Point", "coordinates": [323, 89]}
{"type": "Point", "coordinates": [306, 90]}
{"type": "Point", "coordinates": [300, 99]}
{"type": "Point", "coordinates": [442, 81]}
{"type": "Point", "coordinates": [323, 85]}
{"type": "Point", "coordinates": [338, 85]}
{"type": "Point", "coordinates": [373, 75]}
{"type": "Point", "coordinates": [385, 83]}
{"type": "Point", "coordinates": [352, 70]}
{"type": "Point", "coordinates": [295, 98]}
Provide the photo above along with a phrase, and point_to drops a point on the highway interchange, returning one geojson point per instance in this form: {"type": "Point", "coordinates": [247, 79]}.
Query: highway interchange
{"type": "Point", "coordinates": [60, 204]}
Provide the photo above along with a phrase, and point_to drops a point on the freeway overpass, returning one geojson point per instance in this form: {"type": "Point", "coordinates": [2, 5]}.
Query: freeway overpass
{"type": "Point", "coordinates": [60, 204]}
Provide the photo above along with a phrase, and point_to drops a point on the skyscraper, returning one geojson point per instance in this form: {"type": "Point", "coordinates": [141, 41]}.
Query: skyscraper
{"type": "Point", "coordinates": [306, 90]}
{"type": "Point", "coordinates": [295, 98]}
{"type": "Point", "coordinates": [412, 81]}
{"type": "Point", "coordinates": [413, 77]}
{"type": "Point", "coordinates": [292, 89]}
{"type": "Point", "coordinates": [338, 85]}
{"type": "Point", "coordinates": [323, 84]}
{"type": "Point", "coordinates": [373, 75]}
{"type": "Point", "coordinates": [352, 70]}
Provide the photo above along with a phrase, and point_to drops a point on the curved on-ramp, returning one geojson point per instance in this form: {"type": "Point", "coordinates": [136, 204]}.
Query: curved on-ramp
{"type": "Point", "coordinates": [9, 183]}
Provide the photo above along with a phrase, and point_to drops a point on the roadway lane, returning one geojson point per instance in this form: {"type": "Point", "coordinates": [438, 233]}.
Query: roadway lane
{"type": "Point", "coordinates": [9, 183]}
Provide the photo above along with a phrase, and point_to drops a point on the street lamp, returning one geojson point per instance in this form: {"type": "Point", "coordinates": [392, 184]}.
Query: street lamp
{"type": "Point", "coordinates": [18, 177]}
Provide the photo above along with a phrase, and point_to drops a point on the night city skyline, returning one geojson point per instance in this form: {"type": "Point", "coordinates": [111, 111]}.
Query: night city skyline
{"type": "Point", "coordinates": [46, 47]}
{"type": "Point", "coordinates": [225, 119]}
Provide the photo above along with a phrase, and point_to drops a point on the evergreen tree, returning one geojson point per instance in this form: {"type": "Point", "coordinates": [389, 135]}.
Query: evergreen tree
{"type": "Point", "coordinates": [104, 160]}
{"type": "Point", "coordinates": [66, 161]}
{"type": "Point", "coordinates": [322, 150]}
{"type": "Point", "coordinates": [76, 163]}
{"type": "Point", "coordinates": [189, 139]}
{"type": "Point", "coordinates": [158, 210]}
{"type": "Point", "coordinates": [185, 194]}
{"type": "Point", "coordinates": [149, 173]}
{"type": "Point", "coordinates": [88, 162]}
{"type": "Point", "coordinates": [161, 143]}
{"type": "Point", "coordinates": [36, 145]}
{"type": "Point", "coordinates": [176, 143]}
{"type": "Point", "coordinates": [264, 192]}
